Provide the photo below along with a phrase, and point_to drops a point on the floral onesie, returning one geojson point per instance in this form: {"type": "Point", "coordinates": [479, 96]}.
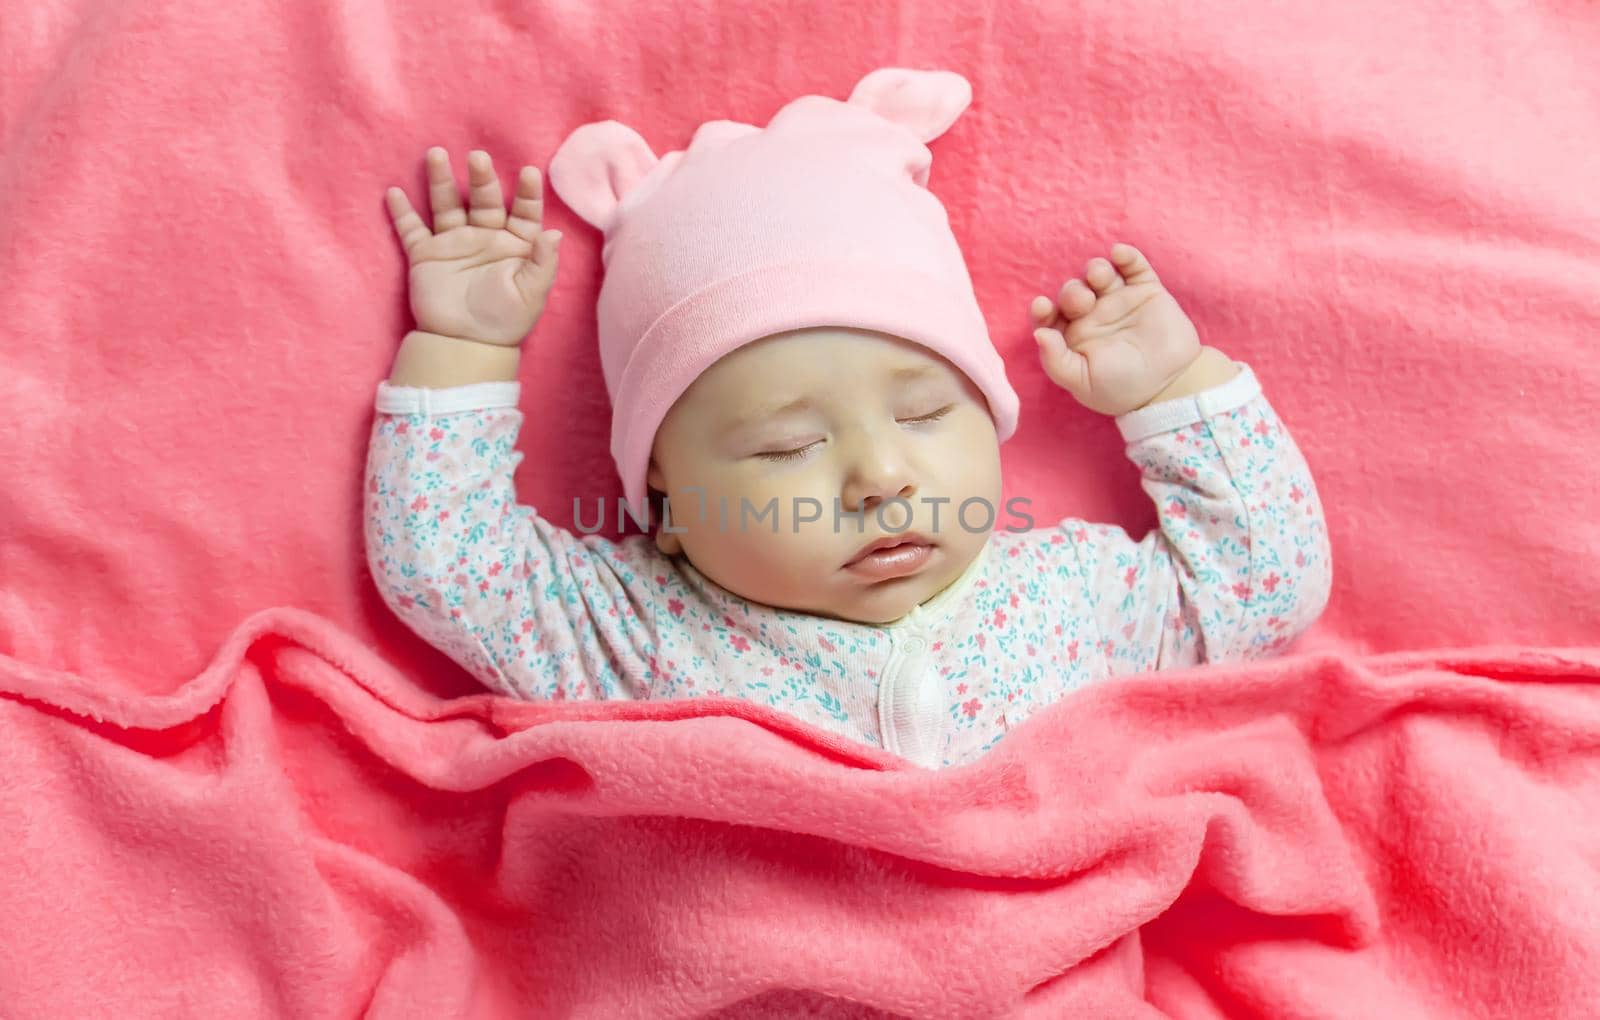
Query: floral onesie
{"type": "Point", "coordinates": [1239, 565]}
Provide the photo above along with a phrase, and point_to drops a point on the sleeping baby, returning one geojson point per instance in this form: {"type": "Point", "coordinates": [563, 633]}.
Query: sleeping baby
{"type": "Point", "coordinates": [807, 416]}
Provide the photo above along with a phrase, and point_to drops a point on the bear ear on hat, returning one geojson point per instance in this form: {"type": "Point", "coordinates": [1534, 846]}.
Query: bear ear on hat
{"type": "Point", "coordinates": [926, 102]}
{"type": "Point", "coordinates": [596, 166]}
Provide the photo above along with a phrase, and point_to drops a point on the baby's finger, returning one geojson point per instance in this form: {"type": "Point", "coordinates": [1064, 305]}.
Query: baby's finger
{"type": "Point", "coordinates": [488, 204]}
{"type": "Point", "coordinates": [1044, 311]}
{"type": "Point", "coordinates": [442, 192]}
{"type": "Point", "coordinates": [528, 207]}
{"type": "Point", "coordinates": [407, 223]}
{"type": "Point", "coordinates": [1066, 367]}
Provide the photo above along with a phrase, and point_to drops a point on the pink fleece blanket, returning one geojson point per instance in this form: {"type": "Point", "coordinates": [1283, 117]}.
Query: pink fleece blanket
{"type": "Point", "coordinates": [1387, 210]}
{"type": "Point", "coordinates": [299, 832]}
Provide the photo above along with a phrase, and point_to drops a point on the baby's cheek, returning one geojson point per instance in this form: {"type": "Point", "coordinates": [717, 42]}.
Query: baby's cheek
{"type": "Point", "coordinates": [765, 565]}
{"type": "Point", "coordinates": [743, 510]}
{"type": "Point", "coordinates": [980, 473]}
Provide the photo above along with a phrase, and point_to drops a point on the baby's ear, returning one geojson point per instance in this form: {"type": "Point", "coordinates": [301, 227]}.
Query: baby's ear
{"type": "Point", "coordinates": [926, 102]}
{"type": "Point", "coordinates": [666, 542]}
{"type": "Point", "coordinates": [596, 166]}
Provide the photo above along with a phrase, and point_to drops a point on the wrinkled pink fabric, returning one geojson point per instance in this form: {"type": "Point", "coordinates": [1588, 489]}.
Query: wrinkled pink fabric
{"type": "Point", "coordinates": [1386, 209]}
{"type": "Point", "coordinates": [299, 832]}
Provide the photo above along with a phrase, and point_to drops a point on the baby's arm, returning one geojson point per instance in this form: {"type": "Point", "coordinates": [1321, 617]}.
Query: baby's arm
{"type": "Point", "coordinates": [528, 608]}
{"type": "Point", "coordinates": [1240, 563]}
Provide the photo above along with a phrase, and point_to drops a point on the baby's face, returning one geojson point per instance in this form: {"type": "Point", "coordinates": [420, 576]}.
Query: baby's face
{"type": "Point", "coordinates": [881, 417]}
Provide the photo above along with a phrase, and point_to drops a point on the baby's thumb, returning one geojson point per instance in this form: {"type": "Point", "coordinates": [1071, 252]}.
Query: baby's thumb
{"type": "Point", "coordinates": [536, 274]}
{"type": "Point", "coordinates": [548, 247]}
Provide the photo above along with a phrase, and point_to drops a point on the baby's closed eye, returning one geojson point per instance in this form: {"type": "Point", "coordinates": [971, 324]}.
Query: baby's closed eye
{"type": "Point", "coordinates": [930, 416]}
{"type": "Point", "coordinates": [798, 451]}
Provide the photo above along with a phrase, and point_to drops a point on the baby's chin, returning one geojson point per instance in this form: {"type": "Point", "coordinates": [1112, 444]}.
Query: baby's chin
{"type": "Point", "coordinates": [846, 599]}
{"type": "Point", "coordinates": [876, 616]}
{"type": "Point", "coordinates": [886, 601]}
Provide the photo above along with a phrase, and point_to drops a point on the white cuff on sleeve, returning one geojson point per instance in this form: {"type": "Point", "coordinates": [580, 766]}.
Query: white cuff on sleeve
{"type": "Point", "coordinates": [429, 402]}
{"type": "Point", "coordinates": [1175, 414]}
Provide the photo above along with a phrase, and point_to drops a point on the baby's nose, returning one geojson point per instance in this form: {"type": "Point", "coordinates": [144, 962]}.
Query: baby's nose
{"type": "Point", "coordinates": [876, 468]}
{"type": "Point", "coordinates": [876, 484]}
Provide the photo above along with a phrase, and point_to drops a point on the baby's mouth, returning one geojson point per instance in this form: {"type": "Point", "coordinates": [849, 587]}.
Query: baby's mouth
{"type": "Point", "coordinates": [892, 553]}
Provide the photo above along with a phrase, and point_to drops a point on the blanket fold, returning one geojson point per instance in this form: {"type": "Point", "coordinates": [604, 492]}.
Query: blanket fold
{"type": "Point", "coordinates": [301, 831]}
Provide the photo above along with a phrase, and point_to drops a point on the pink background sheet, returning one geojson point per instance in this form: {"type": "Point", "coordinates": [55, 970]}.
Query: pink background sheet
{"type": "Point", "coordinates": [228, 781]}
{"type": "Point", "coordinates": [1388, 210]}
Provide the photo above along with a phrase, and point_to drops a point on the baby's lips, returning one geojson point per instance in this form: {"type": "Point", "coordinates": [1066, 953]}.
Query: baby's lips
{"type": "Point", "coordinates": [890, 540]}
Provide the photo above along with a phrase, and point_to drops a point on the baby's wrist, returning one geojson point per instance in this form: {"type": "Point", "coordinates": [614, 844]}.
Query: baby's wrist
{"type": "Point", "coordinates": [436, 361]}
{"type": "Point", "coordinates": [1210, 368]}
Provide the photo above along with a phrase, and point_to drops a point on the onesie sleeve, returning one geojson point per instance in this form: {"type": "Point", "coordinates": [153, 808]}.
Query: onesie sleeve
{"type": "Point", "coordinates": [528, 608]}
{"type": "Point", "coordinates": [1240, 562]}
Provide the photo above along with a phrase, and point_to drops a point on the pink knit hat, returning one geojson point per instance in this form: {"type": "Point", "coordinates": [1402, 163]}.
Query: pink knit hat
{"type": "Point", "coordinates": [823, 218]}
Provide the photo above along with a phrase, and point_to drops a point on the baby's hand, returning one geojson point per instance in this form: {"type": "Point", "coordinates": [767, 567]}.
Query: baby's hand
{"type": "Point", "coordinates": [1117, 347]}
{"type": "Point", "coordinates": [477, 275]}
